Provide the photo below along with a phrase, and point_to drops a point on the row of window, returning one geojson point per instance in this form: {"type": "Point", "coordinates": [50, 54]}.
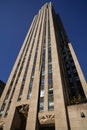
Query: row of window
{"type": "Point", "coordinates": [73, 88]}
{"type": "Point", "coordinates": [50, 79]}
{"type": "Point", "coordinates": [42, 76]}
{"type": "Point", "coordinates": [27, 66]}
{"type": "Point", "coordinates": [34, 65]}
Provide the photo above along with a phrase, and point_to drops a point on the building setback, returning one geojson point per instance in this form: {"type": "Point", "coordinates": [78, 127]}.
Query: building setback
{"type": "Point", "coordinates": [46, 89]}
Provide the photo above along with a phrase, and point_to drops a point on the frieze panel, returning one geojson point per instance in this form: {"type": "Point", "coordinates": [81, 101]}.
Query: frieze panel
{"type": "Point", "coordinates": [46, 119]}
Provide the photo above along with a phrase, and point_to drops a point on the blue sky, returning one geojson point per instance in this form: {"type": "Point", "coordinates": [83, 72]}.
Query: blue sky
{"type": "Point", "coordinates": [16, 17]}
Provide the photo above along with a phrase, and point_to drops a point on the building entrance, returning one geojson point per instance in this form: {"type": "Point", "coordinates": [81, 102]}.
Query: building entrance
{"type": "Point", "coordinates": [20, 117]}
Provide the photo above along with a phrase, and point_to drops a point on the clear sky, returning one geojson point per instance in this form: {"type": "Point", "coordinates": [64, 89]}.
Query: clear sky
{"type": "Point", "coordinates": [16, 17]}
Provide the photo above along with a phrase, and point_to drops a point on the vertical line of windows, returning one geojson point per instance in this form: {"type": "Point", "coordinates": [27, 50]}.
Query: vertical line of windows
{"type": "Point", "coordinates": [74, 86]}
{"type": "Point", "coordinates": [34, 65]}
{"type": "Point", "coordinates": [74, 89]}
{"type": "Point", "coordinates": [20, 70]}
{"type": "Point", "coordinates": [27, 66]}
{"type": "Point", "coordinates": [50, 80]}
{"type": "Point", "coordinates": [61, 29]}
{"type": "Point", "coordinates": [42, 76]}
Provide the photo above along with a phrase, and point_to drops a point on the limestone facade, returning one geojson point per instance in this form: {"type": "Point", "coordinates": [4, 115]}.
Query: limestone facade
{"type": "Point", "coordinates": [46, 89]}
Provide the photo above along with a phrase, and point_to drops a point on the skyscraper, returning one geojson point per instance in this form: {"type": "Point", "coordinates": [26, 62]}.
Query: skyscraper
{"type": "Point", "coordinates": [46, 89]}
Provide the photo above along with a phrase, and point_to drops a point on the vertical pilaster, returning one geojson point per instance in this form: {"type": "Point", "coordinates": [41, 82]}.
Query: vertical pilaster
{"type": "Point", "coordinates": [59, 106]}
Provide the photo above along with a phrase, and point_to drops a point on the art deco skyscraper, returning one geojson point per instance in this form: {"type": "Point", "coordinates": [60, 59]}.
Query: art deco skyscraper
{"type": "Point", "coordinates": [46, 89]}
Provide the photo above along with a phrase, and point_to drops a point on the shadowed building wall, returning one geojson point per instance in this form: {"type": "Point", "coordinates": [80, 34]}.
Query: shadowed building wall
{"type": "Point", "coordinates": [2, 86]}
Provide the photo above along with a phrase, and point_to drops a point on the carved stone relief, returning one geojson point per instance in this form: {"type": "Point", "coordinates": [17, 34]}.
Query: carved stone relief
{"type": "Point", "coordinates": [1, 124]}
{"type": "Point", "coordinates": [45, 119]}
{"type": "Point", "coordinates": [24, 110]}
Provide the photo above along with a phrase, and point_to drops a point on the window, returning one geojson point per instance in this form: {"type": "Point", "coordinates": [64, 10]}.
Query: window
{"type": "Point", "coordinates": [49, 59]}
{"type": "Point", "coordinates": [74, 70]}
{"type": "Point", "coordinates": [8, 107]}
{"type": "Point", "coordinates": [29, 94]}
{"type": "Point", "coordinates": [30, 89]}
{"type": "Point", "coordinates": [1, 112]}
{"type": "Point", "coordinates": [77, 78]}
{"type": "Point", "coordinates": [70, 79]}
{"type": "Point", "coordinates": [50, 102]}
{"type": "Point", "coordinates": [49, 66]}
{"type": "Point", "coordinates": [31, 83]}
{"type": "Point", "coordinates": [72, 63]}
{"type": "Point", "coordinates": [50, 63]}
{"type": "Point", "coordinates": [67, 65]}
{"type": "Point", "coordinates": [19, 98]}
{"type": "Point", "coordinates": [50, 91]}
{"type": "Point", "coordinates": [49, 71]}
{"type": "Point", "coordinates": [49, 80]}
{"type": "Point", "coordinates": [68, 72]}
{"type": "Point", "coordinates": [41, 104]}
{"type": "Point", "coordinates": [42, 93]}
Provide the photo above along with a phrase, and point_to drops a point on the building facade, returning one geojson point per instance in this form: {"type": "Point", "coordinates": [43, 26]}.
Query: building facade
{"type": "Point", "coordinates": [46, 89]}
